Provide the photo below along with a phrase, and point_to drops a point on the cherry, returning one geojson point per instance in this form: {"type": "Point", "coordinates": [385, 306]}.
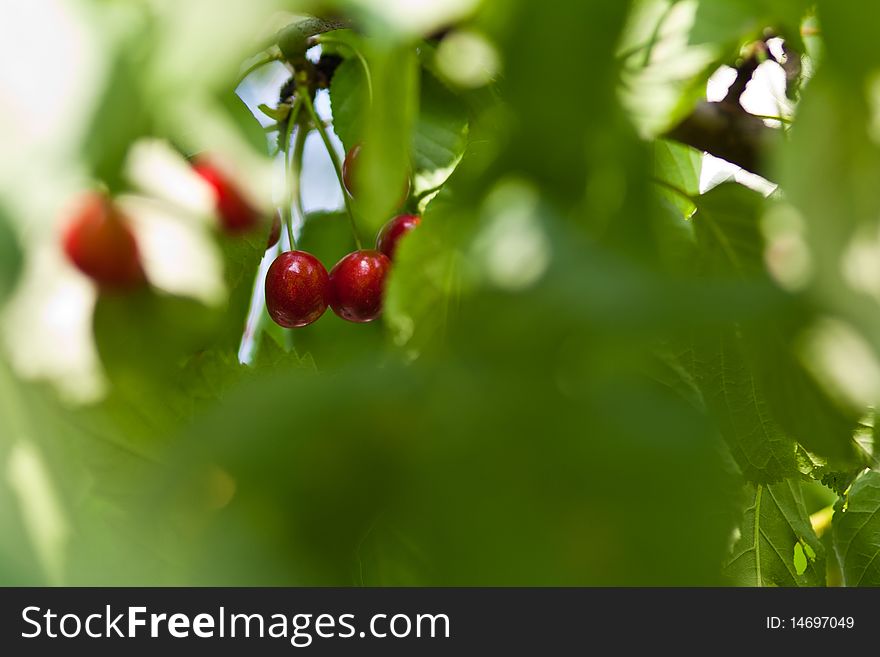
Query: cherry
{"type": "Point", "coordinates": [393, 231]}
{"type": "Point", "coordinates": [297, 289]}
{"type": "Point", "coordinates": [350, 165]}
{"type": "Point", "coordinates": [237, 215]}
{"type": "Point", "coordinates": [100, 244]}
{"type": "Point", "coordinates": [275, 230]}
{"type": "Point", "coordinates": [357, 284]}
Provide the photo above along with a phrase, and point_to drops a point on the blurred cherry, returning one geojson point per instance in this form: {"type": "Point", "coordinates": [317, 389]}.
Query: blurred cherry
{"type": "Point", "coordinates": [99, 242]}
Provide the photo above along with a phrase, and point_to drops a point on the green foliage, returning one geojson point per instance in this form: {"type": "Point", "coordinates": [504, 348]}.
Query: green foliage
{"type": "Point", "coordinates": [857, 532]}
{"type": "Point", "coordinates": [680, 166]}
{"type": "Point", "coordinates": [583, 361]}
{"type": "Point", "coordinates": [428, 279]}
{"type": "Point", "coordinates": [777, 545]}
{"type": "Point", "coordinates": [737, 20]}
{"type": "Point", "coordinates": [122, 115]}
{"type": "Point", "coordinates": [440, 134]}
{"type": "Point", "coordinates": [349, 98]}
{"type": "Point", "coordinates": [10, 258]}
{"type": "Point", "coordinates": [763, 451]}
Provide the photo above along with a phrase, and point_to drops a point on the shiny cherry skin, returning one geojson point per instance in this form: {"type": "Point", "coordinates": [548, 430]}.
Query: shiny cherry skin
{"type": "Point", "coordinates": [357, 285]}
{"type": "Point", "coordinates": [297, 289]}
{"type": "Point", "coordinates": [393, 231]}
{"type": "Point", "coordinates": [100, 244]}
{"type": "Point", "coordinates": [350, 165]}
{"type": "Point", "coordinates": [237, 215]}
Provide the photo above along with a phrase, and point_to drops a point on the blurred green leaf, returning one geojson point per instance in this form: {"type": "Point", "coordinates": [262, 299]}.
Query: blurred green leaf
{"type": "Point", "coordinates": [440, 134]}
{"type": "Point", "coordinates": [425, 284]}
{"type": "Point", "coordinates": [777, 545]}
{"type": "Point", "coordinates": [10, 258]}
{"type": "Point", "coordinates": [349, 102]}
{"type": "Point", "coordinates": [856, 526]}
{"type": "Point", "coordinates": [751, 377]}
{"type": "Point", "coordinates": [242, 255]}
{"type": "Point", "coordinates": [123, 115]}
{"type": "Point", "coordinates": [733, 20]}
{"type": "Point", "coordinates": [143, 338]}
{"type": "Point", "coordinates": [246, 122]}
{"type": "Point", "coordinates": [384, 160]}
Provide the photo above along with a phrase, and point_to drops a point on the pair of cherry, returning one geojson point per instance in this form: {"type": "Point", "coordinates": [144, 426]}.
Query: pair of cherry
{"type": "Point", "coordinates": [299, 289]}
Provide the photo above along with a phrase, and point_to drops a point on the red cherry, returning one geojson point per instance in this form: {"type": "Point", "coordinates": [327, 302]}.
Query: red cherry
{"type": "Point", "coordinates": [297, 289]}
{"type": "Point", "coordinates": [275, 230]}
{"type": "Point", "coordinates": [393, 231]}
{"type": "Point", "coordinates": [237, 215]}
{"type": "Point", "coordinates": [357, 284]}
{"type": "Point", "coordinates": [100, 244]}
{"type": "Point", "coordinates": [350, 165]}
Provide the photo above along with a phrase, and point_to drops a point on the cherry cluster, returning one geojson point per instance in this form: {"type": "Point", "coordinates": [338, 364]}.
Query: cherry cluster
{"type": "Point", "coordinates": [99, 241]}
{"type": "Point", "coordinates": [299, 289]}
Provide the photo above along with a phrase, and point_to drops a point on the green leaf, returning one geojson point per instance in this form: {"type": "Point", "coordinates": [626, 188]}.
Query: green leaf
{"type": "Point", "coordinates": [242, 255]}
{"type": "Point", "coordinates": [123, 115]}
{"type": "Point", "coordinates": [440, 134]}
{"type": "Point", "coordinates": [427, 279]}
{"type": "Point", "coordinates": [735, 20]}
{"type": "Point", "coordinates": [246, 122]}
{"type": "Point", "coordinates": [856, 532]}
{"type": "Point", "coordinates": [679, 166]}
{"type": "Point", "coordinates": [727, 226]}
{"type": "Point", "coordinates": [765, 454]}
{"type": "Point", "coordinates": [803, 409]}
{"type": "Point", "coordinates": [777, 545]}
{"type": "Point", "coordinates": [144, 337]}
{"type": "Point", "coordinates": [271, 356]}
{"type": "Point", "coordinates": [349, 101]}
{"type": "Point", "coordinates": [10, 258]}
{"type": "Point", "coordinates": [780, 390]}
{"type": "Point", "coordinates": [384, 160]}
{"type": "Point", "coordinates": [663, 75]}
{"type": "Point", "coordinates": [327, 236]}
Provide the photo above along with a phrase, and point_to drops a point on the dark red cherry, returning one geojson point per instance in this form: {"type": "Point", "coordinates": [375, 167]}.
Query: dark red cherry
{"type": "Point", "coordinates": [100, 244]}
{"type": "Point", "coordinates": [350, 165]}
{"type": "Point", "coordinates": [275, 230]}
{"type": "Point", "coordinates": [297, 289]}
{"type": "Point", "coordinates": [237, 215]}
{"type": "Point", "coordinates": [357, 284]}
{"type": "Point", "coordinates": [393, 231]}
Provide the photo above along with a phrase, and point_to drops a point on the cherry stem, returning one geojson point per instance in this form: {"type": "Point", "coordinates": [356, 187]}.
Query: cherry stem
{"type": "Point", "coordinates": [303, 92]}
{"type": "Point", "coordinates": [268, 59]}
{"type": "Point", "coordinates": [299, 144]}
{"type": "Point", "coordinates": [290, 179]}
